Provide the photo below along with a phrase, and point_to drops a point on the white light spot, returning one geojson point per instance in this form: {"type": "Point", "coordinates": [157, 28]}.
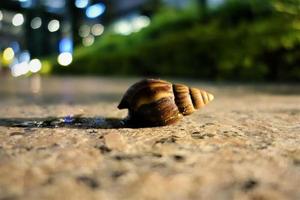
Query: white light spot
{"type": "Point", "coordinates": [18, 19]}
{"type": "Point", "coordinates": [140, 22]}
{"type": "Point", "coordinates": [84, 30]}
{"type": "Point", "coordinates": [36, 23]}
{"type": "Point", "coordinates": [1, 15]}
{"type": "Point", "coordinates": [35, 65]}
{"type": "Point", "coordinates": [53, 25]}
{"type": "Point", "coordinates": [88, 41]}
{"type": "Point", "coordinates": [123, 28]}
{"type": "Point", "coordinates": [19, 69]}
{"type": "Point", "coordinates": [130, 25]}
{"type": "Point", "coordinates": [65, 59]}
{"type": "Point", "coordinates": [97, 29]}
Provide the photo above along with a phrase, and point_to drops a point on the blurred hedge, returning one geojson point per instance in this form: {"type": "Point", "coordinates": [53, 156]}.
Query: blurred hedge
{"type": "Point", "coordinates": [241, 40]}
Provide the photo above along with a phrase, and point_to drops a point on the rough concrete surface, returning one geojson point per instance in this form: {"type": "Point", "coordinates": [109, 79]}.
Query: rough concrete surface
{"type": "Point", "coordinates": [244, 145]}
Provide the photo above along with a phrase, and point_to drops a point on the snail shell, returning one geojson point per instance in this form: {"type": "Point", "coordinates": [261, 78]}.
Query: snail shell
{"type": "Point", "coordinates": [154, 102]}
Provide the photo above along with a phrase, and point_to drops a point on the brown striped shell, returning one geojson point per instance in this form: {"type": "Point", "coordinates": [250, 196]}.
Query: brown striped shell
{"type": "Point", "coordinates": [154, 102]}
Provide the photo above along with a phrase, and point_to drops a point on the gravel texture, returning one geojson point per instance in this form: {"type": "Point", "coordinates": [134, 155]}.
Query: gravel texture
{"type": "Point", "coordinates": [63, 138]}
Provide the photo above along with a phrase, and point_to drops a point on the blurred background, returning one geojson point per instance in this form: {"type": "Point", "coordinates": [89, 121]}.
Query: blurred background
{"type": "Point", "coordinates": [248, 40]}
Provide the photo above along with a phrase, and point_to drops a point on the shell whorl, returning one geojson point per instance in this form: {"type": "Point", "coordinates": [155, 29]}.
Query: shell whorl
{"type": "Point", "coordinates": [153, 102]}
{"type": "Point", "coordinates": [145, 92]}
{"type": "Point", "coordinates": [190, 99]}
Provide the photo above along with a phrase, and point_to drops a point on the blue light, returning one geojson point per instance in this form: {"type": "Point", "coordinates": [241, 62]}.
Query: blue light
{"type": "Point", "coordinates": [81, 3]}
{"type": "Point", "coordinates": [24, 57]}
{"type": "Point", "coordinates": [15, 46]}
{"type": "Point", "coordinates": [55, 6]}
{"type": "Point", "coordinates": [68, 119]}
{"type": "Point", "coordinates": [26, 3]}
{"type": "Point", "coordinates": [95, 10]}
{"type": "Point", "coordinates": [66, 45]}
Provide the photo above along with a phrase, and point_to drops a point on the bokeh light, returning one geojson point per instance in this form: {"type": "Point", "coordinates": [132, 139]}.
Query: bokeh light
{"type": "Point", "coordinates": [45, 29]}
{"type": "Point", "coordinates": [97, 29]}
{"type": "Point", "coordinates": [65, 58]}
{"type": "Point", "coordinates": [140, 22]}
{"type": "Point", "coordinates": [15, 46]}
{"type": "Point", "coordinates": [24, 56]}
{"type": "Point", "coordinates": [66, 45]}
{"type": "Point", "coordinates": [84, 30]}
{"type": "Point", "coordinates": [95, 10]}
{"type": "Point", "coordinates": [20, 69]}
{"type": "Point", "coordinates": [123, 27]}
{"type": "Point", "coordinates": [46, 67]}
{"type": "Point", "coordinates": [8, 55]}
{"type": "Point", "coordinates": [35, 65]}
{"type": "Point", "coordinates": [36, 23]}
{"type": "Point", "coordinates": [88, 41]}
{"type": "Point", "coordinates": [81, 3]}
{"type": "Point", "coordinates": [53, 25]}
{"type": "Point", "coordinates": [54, 5]}
{"type": "Point", "coordinates": [26, 3]}
{"type": "Point", "coordinates": [18, 19]}
{"type": "Point", "coordinates": [130, 25]}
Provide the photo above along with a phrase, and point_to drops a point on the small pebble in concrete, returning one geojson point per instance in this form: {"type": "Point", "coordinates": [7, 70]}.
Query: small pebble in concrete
{"type": "Point", "coordinates": [249, 185]}
{"type": "Point", "coordinates": [103, 149]}
{"type": "Point", "coordinates": [90, 182]}
{"type": "Point", "coordinates": [171, 139]}
{"type": "Point", "coordinates": [117, 174]}
{"type": "Point", "coordinates": [179, 158]}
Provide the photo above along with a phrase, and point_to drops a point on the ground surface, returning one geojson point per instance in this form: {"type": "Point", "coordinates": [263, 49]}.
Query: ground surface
{"type": "Point", "coordinates": [244, 145]}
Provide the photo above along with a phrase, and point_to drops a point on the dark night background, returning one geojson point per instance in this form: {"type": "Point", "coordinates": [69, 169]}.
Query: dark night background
{"type": "Point", "coordinates": [250, 40]}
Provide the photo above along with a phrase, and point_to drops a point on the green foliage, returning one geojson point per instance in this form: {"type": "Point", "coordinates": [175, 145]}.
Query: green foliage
{"type": "Point", "coordinates": [241, 40]}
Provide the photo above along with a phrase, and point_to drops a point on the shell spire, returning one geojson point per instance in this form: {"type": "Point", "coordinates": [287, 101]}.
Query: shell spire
{"type": "Point", "coordinates": [190, 99]}
{"type": "Point", "coordinates": [200, 97]}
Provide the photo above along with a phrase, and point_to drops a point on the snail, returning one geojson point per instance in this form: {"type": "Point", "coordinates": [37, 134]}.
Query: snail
{"type": "Point", "coordinates": [153, 102]}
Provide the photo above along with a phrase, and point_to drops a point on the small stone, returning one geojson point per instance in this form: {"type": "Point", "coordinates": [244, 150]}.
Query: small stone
{"type": "Point", "coordinates": [179, 158]}
{"type": "Point", "coordinates": [117, 174]}
{"type": "Point", "coordinates": [89, 181]}
{"type": "Point", "coordinates": [171, 139]}
{"type": "Point", "coordinates": [249, 185]}
{"type": "Point", "coordinates": [200, 135]}
{"type": "Point", "coordinates": [103, 149]}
